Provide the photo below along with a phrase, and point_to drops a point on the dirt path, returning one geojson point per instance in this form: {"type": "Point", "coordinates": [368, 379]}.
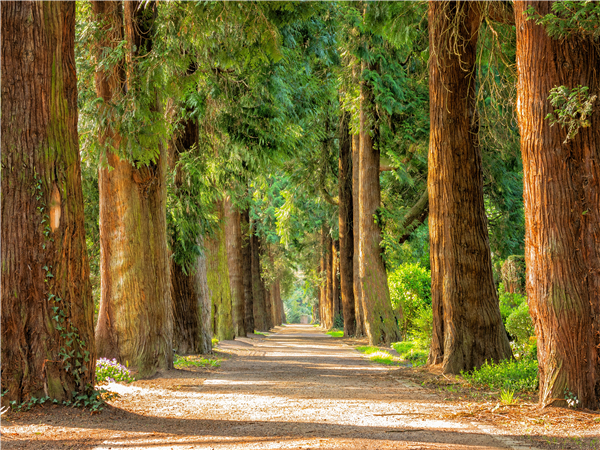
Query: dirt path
{"type": "Point", "coordinates": [297, 388]}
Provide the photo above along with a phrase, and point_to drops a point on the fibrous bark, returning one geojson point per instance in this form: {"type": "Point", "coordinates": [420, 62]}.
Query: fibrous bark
{"type": "Point", "coordinates": [467, 327]}
{"type": "Point", "coordinates": [135, 322]}
{"type": "Point", "coordinates": [346, 227]}
{"type": "Point", "coordinates": [247, 270]}
{"type": "Point", "coordinates": [258, 289]}
{"type": "Point", "coordinates": [233, 234]}
{"type": "Point", "coordinates": [47, 306]}
{"type": "Point", "coordinates": [218, 280]}
{"type": "Point", "coordinates": [380, 321]}
{"type": "Point", "coordinates": [562, 218]}
{"type": "Point", "coordinates": [358, 305]}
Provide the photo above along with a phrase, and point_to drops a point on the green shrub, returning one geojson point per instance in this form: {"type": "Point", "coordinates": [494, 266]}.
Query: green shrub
{"type": "Point", "coordinates": [519, 323]}
{"type": "Point", "coordinates": [509, 302]}
{"type": "Point", "coordinates": [412, 351]}
{"type": "Point", "coordinates": [410, 292]}
{"type": "Point", "coordinates": [517, 375]}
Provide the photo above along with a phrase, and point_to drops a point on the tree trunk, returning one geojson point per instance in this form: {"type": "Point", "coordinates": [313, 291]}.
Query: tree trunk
{"type": "Point", "coordinates": [467, 327]}
{"type": "Point", "coordinates": [380, 321]}
{"type": "Point", "coordinates": [135, 322]}
{"type": "Point", "coordinates": [218, 280]}
{"type": "Point", "coordinates": [233, 235]}
{"type": "Point", "coordinates": [562, 194]}
{"type": "Point", "coordinates": [358, 305]}
{"type": "Point", "coordinates": [329, 286]}
{"type": "Point", "coordinates": [258, 290]}
{"type": "Point", "coordinates": [47, 306]}
{"type": "Point", "coordinates": [346, 226]}
{"type": "Point", "coordinates": [247, 270]}
{"type": "Point", "coordinates": [336, 294]}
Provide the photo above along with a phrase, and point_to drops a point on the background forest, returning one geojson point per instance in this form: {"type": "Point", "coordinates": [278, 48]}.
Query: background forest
{"type": "Point", "coordinates": [248, 164]}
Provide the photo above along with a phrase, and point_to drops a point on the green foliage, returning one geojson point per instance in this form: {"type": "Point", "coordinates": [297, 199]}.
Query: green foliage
{"type": "Point", "coordinates": [573, 107]}
{"type": "Point", "coordinates": [414, 351]}
{"type": "Point", "coordinates": [182, 362]}
{"type": "Point", "coordinates": [379, 356]}
{"type": "Point", "coordinates": [579, 18]}
{"type": "Point", "coordinates": [111, 371]}
{"type": "Point", "coordinates": [336, 333]}
{"type": "Point", "coordinates": [516, 375]}
{"type": "Point", "coordinates": [410, 291]}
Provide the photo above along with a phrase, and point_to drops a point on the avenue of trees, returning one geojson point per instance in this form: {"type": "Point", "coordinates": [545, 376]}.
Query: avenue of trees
{"type": "Point", "coordinates": [172, 171]}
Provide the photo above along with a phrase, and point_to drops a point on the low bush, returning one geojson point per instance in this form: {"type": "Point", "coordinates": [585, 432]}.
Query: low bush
{"type": "Point", "coordinates": [412, 351]}
{"type": "Point", "coordinates": [111, 371]}
{"type": "Point", "coordinates": [410, 292]}
{"type": "Point", "coordinates": [510, 374]}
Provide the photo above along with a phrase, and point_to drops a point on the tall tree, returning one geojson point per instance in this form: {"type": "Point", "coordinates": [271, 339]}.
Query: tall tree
{"type": "Point", "coordinates": [467, 326]}
{"type": "Point", "coordinates": [562, 194]}
{"type": "Point", "coordinates": [135, 323]}
{"type": "Point", "coordinates": [380, 322]}
{"type": "Point", "coordinates": [247, 271]}
{"type": "Point", "coordinates": [47, 306]}
{"type": "Point", "coordinates": [346, 226]}
{"type": "Point", "coordinates": [233, 237]}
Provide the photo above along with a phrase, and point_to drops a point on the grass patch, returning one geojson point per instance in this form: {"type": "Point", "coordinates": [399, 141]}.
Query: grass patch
{"type": "Point", "coordinates": [412, 351]}
{"type": "Point", "coordinates": [335, 333]}
{"type": "Point", "coordinates": [183, 362]}
{"type": "Point", "coordinates": [378, 356]}
{"type": "Point", "coordinates": [515, 375]}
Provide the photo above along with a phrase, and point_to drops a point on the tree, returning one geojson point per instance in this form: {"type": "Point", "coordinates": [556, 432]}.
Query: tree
{"type": "Point", "coordinates": [233, 237]}
{"type": "Point", "coordinates": [467, 326]}
{"type": "Point", "coordinates": [381, 325]}
{"type": "Point", "coordinates": [48, 344]}
{"type": "Point", "coordinates": [135, 323]}
{"type": "Point", "coordinates": [562, 194]}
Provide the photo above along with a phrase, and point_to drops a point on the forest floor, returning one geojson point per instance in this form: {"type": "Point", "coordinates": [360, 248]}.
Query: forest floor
{"type": "Point", "coordinates": [298, 388]}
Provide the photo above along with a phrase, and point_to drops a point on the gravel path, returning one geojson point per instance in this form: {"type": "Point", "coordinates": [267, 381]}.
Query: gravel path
{"type": "Point", "coordinates": [295, 389]}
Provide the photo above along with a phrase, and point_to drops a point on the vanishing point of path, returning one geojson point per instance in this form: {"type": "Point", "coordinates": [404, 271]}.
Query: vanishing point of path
{"type": "Point", "coordinates": [295, 389]}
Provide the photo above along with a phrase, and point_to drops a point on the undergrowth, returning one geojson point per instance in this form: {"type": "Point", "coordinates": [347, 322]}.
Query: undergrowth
{"type": "Point", "coordinates": [379, 356]}
{"type": "Point", "coordinates": [181, 362]}
{"type": "Point", "coordinates": [514, 375]}
{"type": "Point", "coordinates": [412, 351]}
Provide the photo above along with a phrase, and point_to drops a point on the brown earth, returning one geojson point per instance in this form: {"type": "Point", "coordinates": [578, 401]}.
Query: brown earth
{"type": "Point", "coordinates": [300, 389]}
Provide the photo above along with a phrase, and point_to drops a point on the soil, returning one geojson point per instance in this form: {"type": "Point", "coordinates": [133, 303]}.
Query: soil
{"type": "Point", "coordinates": [298, 388]}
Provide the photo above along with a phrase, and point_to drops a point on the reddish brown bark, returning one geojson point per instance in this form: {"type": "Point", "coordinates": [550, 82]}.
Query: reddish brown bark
{"type": "Point", "coordinates": [47, 305]}
{"type": "Point", "coordinates": [192, 332]}
{"type": "Point", "coordinates": [346, 226]}
{"type": "Point", "coordinates": [358, 306]}
{"type": "Point", "coordinates": [233, 237]}
{"type": "Point", "coordinates": [135, 322]}
{"type": "Point", "coordinates": [467, 327]}
{"type": "Point", "coordinates": [562, 219]}
{"type": "Point", "coordinates": [380, 321]}
{"type": "Point", "coordinates": [258, 289]}
{"type": "Point", "coordinates": [247, 270]}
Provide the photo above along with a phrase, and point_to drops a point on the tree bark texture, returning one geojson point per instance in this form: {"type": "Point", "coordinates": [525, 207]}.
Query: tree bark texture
{"type": "Point", "coordinates": [346, 226]}
{"type": "Point", "coordinates": [380, 321]}
{"type": "Point", "coordinates": [47, 306]}
{"type": "Point", "coordinates": [562, 219]}
{"type": "Point", "coordinates": [233, 237]}
{"type": "Point", "coordinates": [258, 289]}
{"type": "Point", "coordinates": [467, 327]}
{"type": "Point", "coordinates": [358, 306]}
{"type": "Point", "coordinates": [217, 275]}
{"type": "Point", "coordinates": [336, 292]}
{"type": "Point", "coordinates": [192, 332]}
{"type": "Point", "coordinates": [247, 270]}
{"type": "Point", "coordinates": [135, 321]}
